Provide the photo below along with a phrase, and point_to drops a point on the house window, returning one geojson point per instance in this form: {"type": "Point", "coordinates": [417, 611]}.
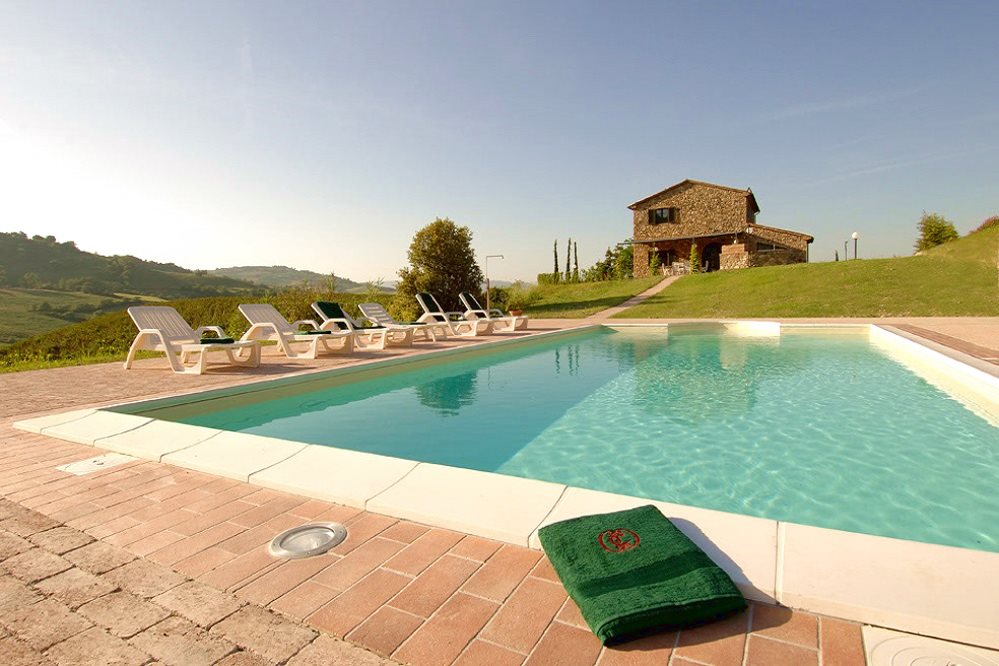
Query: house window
{"type": "Point", "coordinates": [765, 247]}
{"type": "Point", "coordinates": [661, 215]}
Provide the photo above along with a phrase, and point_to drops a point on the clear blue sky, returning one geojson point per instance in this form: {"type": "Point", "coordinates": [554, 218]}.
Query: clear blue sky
{"type": "Point", "coordinates": [322, 135]}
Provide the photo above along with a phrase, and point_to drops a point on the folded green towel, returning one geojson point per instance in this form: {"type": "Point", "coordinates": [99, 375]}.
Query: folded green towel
{"type": "Point", "coordinates": [217, 341]}
{"type": "Point", "coordinates": [633, 572]}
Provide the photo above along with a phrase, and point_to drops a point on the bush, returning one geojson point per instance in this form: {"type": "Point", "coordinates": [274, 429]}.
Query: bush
{"type": "Point", "coordinates": [549, 278]}
{"type": "Point", "coordinates": [934, 229]}
{"type": "Point", "coordinates": [987, 224]}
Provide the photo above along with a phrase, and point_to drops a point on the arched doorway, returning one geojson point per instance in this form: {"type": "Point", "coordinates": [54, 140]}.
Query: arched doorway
{"type": "Point", "coordinates": [711, 257]}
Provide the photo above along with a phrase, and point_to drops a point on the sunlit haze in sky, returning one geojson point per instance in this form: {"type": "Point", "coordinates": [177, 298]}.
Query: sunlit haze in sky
{"type": "Point", "coordinates": [323, 135]}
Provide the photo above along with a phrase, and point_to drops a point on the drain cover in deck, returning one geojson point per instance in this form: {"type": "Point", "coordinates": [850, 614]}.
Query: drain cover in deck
{"type": "Point", "coordinates": [307, 540]}
{"type": "Point", "coordinates": [892, 648]}
{"type": "Point", "coordinates": [96, 464]}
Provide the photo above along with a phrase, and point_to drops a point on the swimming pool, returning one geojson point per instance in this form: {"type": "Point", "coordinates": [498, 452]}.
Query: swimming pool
{"type": "Point", "coordinates": [816, 427]}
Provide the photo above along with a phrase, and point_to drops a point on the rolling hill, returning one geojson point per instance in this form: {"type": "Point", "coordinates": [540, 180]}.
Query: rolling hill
{"type": "Point", "coordinates": [284, 276]}
{"type": "Point", "coordinates": [41, 262]}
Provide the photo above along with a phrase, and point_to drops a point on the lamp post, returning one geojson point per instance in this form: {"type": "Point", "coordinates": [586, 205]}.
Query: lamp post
{"type": "Point", "coordinates": [855, 236]}
{"type": "Point", "coordinates": [488, 257]}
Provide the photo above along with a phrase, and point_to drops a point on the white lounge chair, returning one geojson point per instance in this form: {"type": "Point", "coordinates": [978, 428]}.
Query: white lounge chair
{"type": "Point", "coordinates": [456, 321]}
{"type": "Point", "coordinates": [335, 318]}
{"type": "Point", "coordinates": [161, 328]}
{"type": "Point", "coordinates": [377, 314]}
{"type": "Point", "coordinates": [502, 323]}
{"type": "Point", "coordinates": [266, 323]}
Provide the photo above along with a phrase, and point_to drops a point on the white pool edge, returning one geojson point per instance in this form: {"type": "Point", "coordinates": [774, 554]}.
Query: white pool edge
{"type": "Point", "coordinates": [928, 589]}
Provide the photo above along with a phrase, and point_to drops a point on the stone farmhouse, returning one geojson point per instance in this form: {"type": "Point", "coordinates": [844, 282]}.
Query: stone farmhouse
{"type": "Point", "coordinates": [719, 220]}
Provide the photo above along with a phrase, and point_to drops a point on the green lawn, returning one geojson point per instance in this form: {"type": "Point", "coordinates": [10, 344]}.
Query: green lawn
{"type": "Point", "coordinates": [574, 301]}
{"type": "Point", "coordinates": [956, 279]}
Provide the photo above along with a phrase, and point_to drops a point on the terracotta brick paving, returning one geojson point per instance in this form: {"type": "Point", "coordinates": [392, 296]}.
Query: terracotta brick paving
{"type": "Point", "coordinates": [145, 562]}
{"type": "Point", "coordinates": [399, 590]}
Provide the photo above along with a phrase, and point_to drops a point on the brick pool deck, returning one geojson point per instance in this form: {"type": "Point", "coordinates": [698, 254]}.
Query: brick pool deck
{"type": "Point", "coordinates": [148, 563]}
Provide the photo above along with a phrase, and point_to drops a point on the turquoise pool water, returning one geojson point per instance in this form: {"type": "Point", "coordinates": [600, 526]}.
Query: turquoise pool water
{"type": "Point", "coordinates": [812, 428]}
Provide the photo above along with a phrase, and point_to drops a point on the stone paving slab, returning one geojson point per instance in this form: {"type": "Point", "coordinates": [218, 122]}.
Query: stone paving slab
{"type": "Point", "coordinates": [55, 612]}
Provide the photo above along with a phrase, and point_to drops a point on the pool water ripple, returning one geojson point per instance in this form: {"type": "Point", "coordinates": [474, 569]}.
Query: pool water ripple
{"type": "Point", "coordinates": [819, 429]}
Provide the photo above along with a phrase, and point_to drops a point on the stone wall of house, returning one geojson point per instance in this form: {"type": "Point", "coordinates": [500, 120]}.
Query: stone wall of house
{"type": "Point", "coordinates": [781, 237]}
{"type": "Point", "coordinates": [734, 257]}
{"type": "Point", "coordinates": [777, 257]}
{"type": "Point", "coordinates": [640, 258]}
{"type": "Point", "coordinates": [703, 210]}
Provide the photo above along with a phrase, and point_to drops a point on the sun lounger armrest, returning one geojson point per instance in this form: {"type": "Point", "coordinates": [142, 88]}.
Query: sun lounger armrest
{"type": "Point", "coordinates": [305, 322]}
{"type": "Point", "coordinates": [200, 331]}
{"type": "Point", "coordinates": [255, 330]}
{"type": "Point", "coordinates": [457, 316]}
{"type": "Point", "coordinates": [331, 325]}
{"type": "Point", "coordinates": [150, 332]}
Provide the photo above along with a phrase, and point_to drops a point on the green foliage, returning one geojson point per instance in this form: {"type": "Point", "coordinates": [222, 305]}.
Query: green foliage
{"type": "Point", "coordinates": [695, 259]}
{"type": "Point", "coordinates": [988, 223]}
{"type": "Point", "coordinates": [954, 279]}
{"type": "Point", "coordinates": [555, 250]}
{"type": "Point", "coordinates": [934, 229]}
{"type": "Point", "coordinates": [518, 296]}
{"type": "Point", "coordinates": [442, 262]}
{"type": "Point", "coordinates": [548, 278]}
{"type": "Point", "coordinates": [568, 255]}
{"type": "Point", "coordinates": [616, 264]}
{"type": "Point", "coordinates": [623, 262]}
{"type": "Point", "coordinates": [575, 262]}
{"type": "Point", "coordinates": [655, 264]}
{"type": "Point", "coordinates": [107, 337]}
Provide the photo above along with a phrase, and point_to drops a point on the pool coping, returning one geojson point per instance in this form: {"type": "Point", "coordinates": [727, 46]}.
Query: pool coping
{"type": "Point", "coordinates": [931, 589]}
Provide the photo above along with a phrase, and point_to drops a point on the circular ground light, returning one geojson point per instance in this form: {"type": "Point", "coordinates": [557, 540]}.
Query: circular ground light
{"type": "Point", "coordinates": [307, 540]}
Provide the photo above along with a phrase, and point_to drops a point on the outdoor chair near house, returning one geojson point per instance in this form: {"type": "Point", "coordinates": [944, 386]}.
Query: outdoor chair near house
{"type": "Point", "coordinates": [501, 323]}
{"type": "Point", "coordinates": [162, 329]}
{"type": "Point", "coordinates": [266, 323]}
{"type": "Point", "coordinates": [457, 323]}
{"type": "Point", "coordinates": [377, 314]}
{"type": "Point", "coordinates": [335, 318]}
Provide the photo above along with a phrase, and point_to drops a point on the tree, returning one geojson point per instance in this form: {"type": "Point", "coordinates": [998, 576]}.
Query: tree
{"type": "Point", "coordinates": [934, 229]}
{"type": "Point", "coordinates": [568, 252]}
{"type": "Point", "coordinates": [441, 261]}
{"type": "Point", "coordinates": [575, 262]}
{"type": "Point", "coordinates": [695, 259]}
{"type": "Point", "coordinates": [623, 261]}
{"type": "Point", "coordinates": [555, 250]}
{"type": "Point", "coordinates": [655, 263]}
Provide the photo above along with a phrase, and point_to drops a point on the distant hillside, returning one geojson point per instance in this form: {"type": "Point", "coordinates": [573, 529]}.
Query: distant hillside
{"type": "Point", "coordinates": [284, 276]}
{"type": "Point", "coordinates": [43, 263]}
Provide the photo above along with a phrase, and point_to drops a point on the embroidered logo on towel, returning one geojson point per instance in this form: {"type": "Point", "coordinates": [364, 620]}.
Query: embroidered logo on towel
{"type": "Point", "coordinates": [618, 541]}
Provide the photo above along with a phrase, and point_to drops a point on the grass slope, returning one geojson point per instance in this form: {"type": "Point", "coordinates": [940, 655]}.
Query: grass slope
{"type": "Point", "coordinates": [955, 279]}
{"type": "Point", "coordinates": [107, 337]}
{"type": "Point", "coordinates": [573, 301]}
